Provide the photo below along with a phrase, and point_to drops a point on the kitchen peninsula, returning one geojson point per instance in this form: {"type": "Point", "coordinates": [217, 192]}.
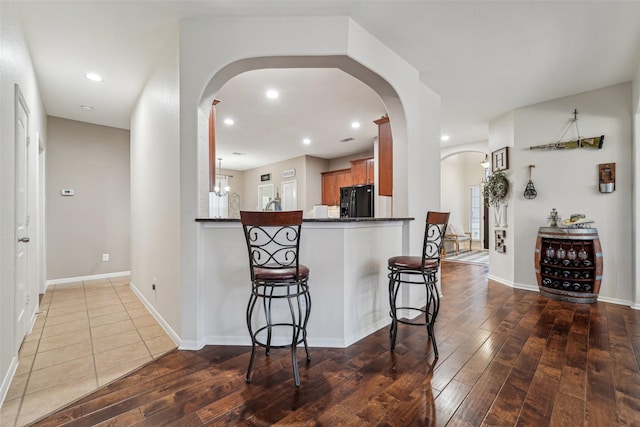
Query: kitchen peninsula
{"type": "Point", "coordinates": [347, 259]}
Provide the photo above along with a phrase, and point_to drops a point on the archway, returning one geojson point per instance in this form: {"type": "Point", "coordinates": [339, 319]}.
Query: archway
{"type": "Point", "coordinates": [387, 94]}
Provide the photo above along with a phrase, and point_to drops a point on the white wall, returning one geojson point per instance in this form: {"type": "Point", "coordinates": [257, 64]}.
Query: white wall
{"type": "Point", "coordinates": [303, 42]}
{"type": "Point", "coordinates": [501, 134]}
{"type": "Point", "coordinates": [16, 67]}
{"type": "Point", "coordinates": [252, 180]}
{"type": "Point", "coordinates": [308, 180]}
{"type": "Point", "coordinates": [635, 102]}
{"type": "Point", "coordinates": [93, 161]}
{"type": "Point", "coordinates": [315, 167]}
{"type": "Point", "coordinates": [345, 162]}
{"type": "Point", "coordinates": [155, 189]}
{"type": "Point", "coordinates": [568, 181]}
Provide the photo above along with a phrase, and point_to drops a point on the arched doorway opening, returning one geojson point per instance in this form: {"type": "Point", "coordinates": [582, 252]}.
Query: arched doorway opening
{"type": "Point", "coordinates": [388, 97]}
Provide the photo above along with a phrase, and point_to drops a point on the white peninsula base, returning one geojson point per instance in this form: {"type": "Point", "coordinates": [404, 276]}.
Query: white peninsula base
{"type": "Point", "coordinates": [348, 279]}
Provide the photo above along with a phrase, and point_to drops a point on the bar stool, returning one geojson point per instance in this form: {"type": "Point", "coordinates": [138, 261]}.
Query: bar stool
{"type": "Point", "coordinates": [273, 242]}
{"type": "Point", "coordinates": [421, 270]}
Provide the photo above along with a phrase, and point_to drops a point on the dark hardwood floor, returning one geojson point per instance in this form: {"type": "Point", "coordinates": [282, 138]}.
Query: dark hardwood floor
{"type": "Point", "coordinates": [507, 357]}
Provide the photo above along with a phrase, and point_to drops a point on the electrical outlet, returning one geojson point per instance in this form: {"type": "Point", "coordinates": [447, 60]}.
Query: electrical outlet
{"type": "Point", "coordinates": [105, 257]}
{"type": "Point", "coordinates": [153, 284]}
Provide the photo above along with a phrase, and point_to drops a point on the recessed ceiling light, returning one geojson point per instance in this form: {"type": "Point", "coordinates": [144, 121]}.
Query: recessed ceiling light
{"type": "Point", "coordinates": [94, 77]}
{"type": "Point", "coordinates": [355, 125]}
{"type": "Point", "coordinates": [444, 138]}
{"type": "Point", "coordinates": [87, 107]}
{"type": "Point", "coordinates": [228, 121]}
{"type": "Point", "coordinates": [273, 94]}
{"type": "Point", "coordinates": [306, 141]}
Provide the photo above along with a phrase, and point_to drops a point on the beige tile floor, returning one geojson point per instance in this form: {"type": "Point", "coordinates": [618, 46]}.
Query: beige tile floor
{"type": "Point", "coordinates": [86, 335]}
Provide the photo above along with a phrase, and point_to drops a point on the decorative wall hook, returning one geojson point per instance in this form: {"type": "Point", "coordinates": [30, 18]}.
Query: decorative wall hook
{"type": "Point", "coordinates": [530, 192]}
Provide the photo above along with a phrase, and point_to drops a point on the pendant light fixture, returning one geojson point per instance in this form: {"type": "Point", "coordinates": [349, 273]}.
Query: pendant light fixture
{"type": "Point", "coordinates": [485, 163]}
{"type": "Point", "coordinates": [217, 190]}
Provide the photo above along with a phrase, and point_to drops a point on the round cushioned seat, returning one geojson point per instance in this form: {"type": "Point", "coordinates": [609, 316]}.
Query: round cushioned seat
{"type": "Point", "coordinates": [411, 262]}
{"type": "Point", "coordinates": [283, 274]}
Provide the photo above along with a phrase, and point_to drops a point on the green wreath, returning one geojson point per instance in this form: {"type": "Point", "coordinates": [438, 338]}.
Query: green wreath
{"type": "Point", "coordinates": [497, 188]}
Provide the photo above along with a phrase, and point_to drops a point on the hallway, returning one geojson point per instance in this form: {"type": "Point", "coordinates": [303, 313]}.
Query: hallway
{"type": "Point", "coordinates": [86, 335]}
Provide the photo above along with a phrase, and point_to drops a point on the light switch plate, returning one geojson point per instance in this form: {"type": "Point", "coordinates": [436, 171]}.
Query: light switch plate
{"type": "Point", "coordinates": [67, 192]}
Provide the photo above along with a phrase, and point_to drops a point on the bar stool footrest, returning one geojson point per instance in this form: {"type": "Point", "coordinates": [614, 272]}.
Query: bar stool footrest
{"type": "Point", "coordinates": [301, 339]}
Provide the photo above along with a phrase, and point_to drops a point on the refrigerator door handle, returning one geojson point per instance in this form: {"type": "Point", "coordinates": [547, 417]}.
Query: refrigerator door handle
{"type": "Point", "coordinates": [352, 203]}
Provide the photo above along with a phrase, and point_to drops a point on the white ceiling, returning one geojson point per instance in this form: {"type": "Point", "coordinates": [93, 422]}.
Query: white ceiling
{"type": "Point", "coordinates": [484, 59]}
{"type": "Point", "coordinates": [319, 104]}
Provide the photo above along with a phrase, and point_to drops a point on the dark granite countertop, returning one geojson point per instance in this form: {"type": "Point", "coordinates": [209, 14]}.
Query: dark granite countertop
{"type": "Point", "coordinates": [314, 219]}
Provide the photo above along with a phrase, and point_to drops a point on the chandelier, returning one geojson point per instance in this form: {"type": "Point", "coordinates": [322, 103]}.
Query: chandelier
{"type": "Point", "coordinates": [217, 190]}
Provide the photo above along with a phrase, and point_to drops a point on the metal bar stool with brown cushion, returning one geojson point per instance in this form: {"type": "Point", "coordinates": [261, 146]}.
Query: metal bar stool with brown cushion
{"type": "Point", "coordinates": [279, 281]}
{"type": "Point", "coordinates": [421, 270]}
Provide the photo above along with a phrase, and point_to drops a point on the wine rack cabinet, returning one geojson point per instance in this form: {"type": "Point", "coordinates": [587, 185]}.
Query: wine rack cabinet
{"type": "Point", "coordinates": [568, 263]}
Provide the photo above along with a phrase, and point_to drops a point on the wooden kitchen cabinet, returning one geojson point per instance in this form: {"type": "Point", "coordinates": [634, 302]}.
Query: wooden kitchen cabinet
{"type": "Point", "coordinates": [362, 171]}
{"type": "Point", "coordinates": [385, 157]}
{"type": "Point", "coordinates": [331, 183]}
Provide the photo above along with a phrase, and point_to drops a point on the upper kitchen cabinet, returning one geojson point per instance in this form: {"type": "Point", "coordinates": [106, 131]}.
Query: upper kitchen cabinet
{"type": "Point", "coordinates": [385, 157]}
{"type": "Point", "coordinates": [332, 182]}
{"type": "Point", "coordinates": [362, 171]}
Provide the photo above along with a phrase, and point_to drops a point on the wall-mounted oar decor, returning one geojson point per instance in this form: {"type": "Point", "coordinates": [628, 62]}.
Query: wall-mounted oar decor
{"type": "Point", "coordinates": [594, 142]}
{"type": "Point", "coordinates": [530, 192]}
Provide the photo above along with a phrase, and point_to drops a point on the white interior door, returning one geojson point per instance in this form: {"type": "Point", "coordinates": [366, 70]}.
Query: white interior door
{"type": "Point", "coordinates": [289, 195]}
{"type": "Point", "coordinates": [265, 195]}
{"type": "Point", "coordinates": [21, 218]}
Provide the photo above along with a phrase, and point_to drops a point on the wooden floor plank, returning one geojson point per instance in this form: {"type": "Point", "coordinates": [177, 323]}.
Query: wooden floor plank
{"type": "Point", "coordinates": [507, 357]}
{"type": "Point", "coordinates": [568, 411]}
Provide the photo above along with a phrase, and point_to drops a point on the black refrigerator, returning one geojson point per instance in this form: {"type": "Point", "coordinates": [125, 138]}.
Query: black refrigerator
{"type": "Point", "coordinates": [356, 201]}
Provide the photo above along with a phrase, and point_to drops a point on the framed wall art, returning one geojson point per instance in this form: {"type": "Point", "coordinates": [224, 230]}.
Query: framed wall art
{"type": "Point", "coordinates": [500, 159]}
{"type": "Point", "coordinates": [501, 236]}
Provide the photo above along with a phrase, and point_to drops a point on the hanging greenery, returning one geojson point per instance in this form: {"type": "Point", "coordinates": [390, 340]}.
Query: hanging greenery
{"type": "Point", "coordinates": [497, 188]}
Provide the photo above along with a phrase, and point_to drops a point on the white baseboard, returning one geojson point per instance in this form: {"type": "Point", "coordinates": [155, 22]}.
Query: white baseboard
{"type": "Point", "coordinates": [176, 339]}
{"type": "Point", "coordinates": [246, 341]}
{"type": "Point", "coordinates": [526, 287]}
{"type": "Point", "coordinates": [353, 338]}
{"type": "Point", "coordinates": [83, 278]}
{"type": "Point", "coordinates": [619, 302]}
{"type": "Point", "coordinates": [535, 288]}
{"type": "Point", "coordinates": [500, 280]}
{"type": "Point", "coordinates": [6, 381]}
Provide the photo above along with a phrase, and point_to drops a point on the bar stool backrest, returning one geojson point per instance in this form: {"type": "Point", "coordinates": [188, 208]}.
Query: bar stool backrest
{"type": "Point", "coordinates": [273, 240]}
{"type": "Point", "coordinates": [434, 232]}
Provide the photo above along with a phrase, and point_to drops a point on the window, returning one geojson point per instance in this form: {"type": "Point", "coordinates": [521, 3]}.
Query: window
{"type": "Point", "coordinates": [474, 211]}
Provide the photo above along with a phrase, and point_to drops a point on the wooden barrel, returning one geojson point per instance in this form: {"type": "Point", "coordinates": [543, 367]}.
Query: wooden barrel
{"type": "Point", "coordinates": [568, 263]}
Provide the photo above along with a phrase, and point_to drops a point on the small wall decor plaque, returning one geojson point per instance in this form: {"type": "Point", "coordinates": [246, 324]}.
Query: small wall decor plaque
{"type": "Point", "coordinates": [265, 177]}
{"type": "Point", "coordinates": [500, 159]}
{"type": "Point", "coordinates": [500, 241]}
{"type": "Point", "coordinates": [607, 177]}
